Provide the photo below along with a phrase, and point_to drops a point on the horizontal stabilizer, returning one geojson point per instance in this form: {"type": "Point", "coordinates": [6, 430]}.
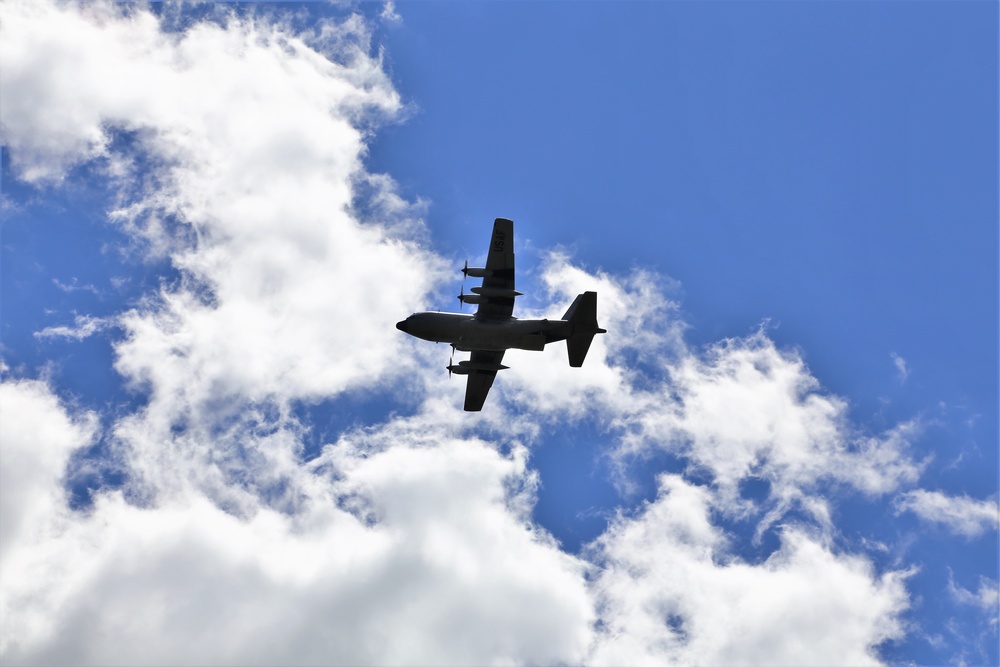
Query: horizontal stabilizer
{"type": "Point", "coordinates": [582, 314]}
{"type": "Point", "coordinates": [578, 345]}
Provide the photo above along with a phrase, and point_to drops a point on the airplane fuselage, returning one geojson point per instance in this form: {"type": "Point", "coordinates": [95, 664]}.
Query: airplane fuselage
{"type": "Point", "coordinates": [468, 333]}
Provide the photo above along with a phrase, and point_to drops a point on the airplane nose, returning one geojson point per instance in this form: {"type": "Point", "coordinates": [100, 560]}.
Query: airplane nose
{"type": "Point", "coordinates": [401, 325]}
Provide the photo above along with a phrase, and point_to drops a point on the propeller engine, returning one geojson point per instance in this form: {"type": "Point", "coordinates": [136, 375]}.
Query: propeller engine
{"type": "Point", "coordinates": [469, 298]}
{"type": "Point", "coordinates": [475, 272]}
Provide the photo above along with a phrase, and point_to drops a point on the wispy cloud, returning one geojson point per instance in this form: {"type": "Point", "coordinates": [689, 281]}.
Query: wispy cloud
{"type": "Point", "coordinates": [389, 13]}
{"type": "Point", "coordinates": [902, 368]}
{"type": "Point", "coordinates": [84, 326]}
{"type": "Point", "coordinates": [959, 514]}
{"type": "Point", "coordinates": [987, 597]}
{"type": "Point", "coordinates": [74, 286]}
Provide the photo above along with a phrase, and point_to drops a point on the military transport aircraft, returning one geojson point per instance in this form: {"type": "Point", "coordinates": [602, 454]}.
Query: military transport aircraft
{"type": "Point", "coordinates": [493, 329]}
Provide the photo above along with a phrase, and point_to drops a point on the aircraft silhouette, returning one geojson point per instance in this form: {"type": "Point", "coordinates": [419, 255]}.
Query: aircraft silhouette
{"type": "Point", "coordinates": [493, 329]}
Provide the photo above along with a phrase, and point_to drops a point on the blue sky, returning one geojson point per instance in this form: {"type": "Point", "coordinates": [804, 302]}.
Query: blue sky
{"type": "Point", "coordinates": [783, 452]}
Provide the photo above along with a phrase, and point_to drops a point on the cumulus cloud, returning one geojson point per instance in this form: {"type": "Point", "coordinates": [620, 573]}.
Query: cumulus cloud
{"type": "Point", "coordinates": [225, 546]}
{"type": "Point", "coordinates": [671, 592]}
{"type": "Point", "coordinates": [744, 410]}
{"type": "Point", "coordinates": [237, 147]}
{"type": "Point", "coordinates": [741, 409]}
{"type": "Point", "coordinates": [959, 514]}
{"type": "Point", "coordinates": [412, 554]}
{"type": "Point", "coordinates": [37, 437]}
{"type": "Point", "coordinates": [251, 140]}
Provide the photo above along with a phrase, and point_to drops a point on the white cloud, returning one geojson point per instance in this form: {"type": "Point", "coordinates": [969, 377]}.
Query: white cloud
{"type": "Point", "coordinates": [378, 552]}
{"type": "Point", "coordinates": [643, 328]}
{"type": "Point", "coordinates": [389, 13]}
{"type": "Point", "coordinates": [393, 550]}
{"type": "Point", "coordinates": [959, 514]}
{"type": "Point", "coordinates": [986, 598]}
{"type": "Point", "coordinates": [84, 326]}
{"type": "Point", "coordinates": [671, 592]}
{"type": "Point", "coordinates": [37, 437]}
{"type": "Point", "coordinates": [411, 555]}
{"type": "Point", "coordinates": [75, 286]}
{"type": "Point", "coordinates": [251, 142]}
{"type": "Point", "coordinates": [740, 410]}
{"type": "Point", "coordinates": [746, 410]}
{"type": "Point", "coordinates": [254, 140]}
{"type": "Point", "coordinates": [226, 546]}
{"type": "Point", "coordinates": [902, 368]}
{"type": "Point", "coordinates": [408, 541]}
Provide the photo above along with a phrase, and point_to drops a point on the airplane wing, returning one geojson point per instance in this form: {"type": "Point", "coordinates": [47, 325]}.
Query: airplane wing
{"type": "Point", "coordinates": [479, 382]}
{"type": "Point", "coordinates": [497, 293]}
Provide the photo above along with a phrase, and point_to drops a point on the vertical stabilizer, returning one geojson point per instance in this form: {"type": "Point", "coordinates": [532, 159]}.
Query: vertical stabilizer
{"type": "Point", "coordinates": [582, 314]}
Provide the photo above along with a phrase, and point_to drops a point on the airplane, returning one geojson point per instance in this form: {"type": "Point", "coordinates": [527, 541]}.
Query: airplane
{"type": "Point", "coordinates": [493, 330]}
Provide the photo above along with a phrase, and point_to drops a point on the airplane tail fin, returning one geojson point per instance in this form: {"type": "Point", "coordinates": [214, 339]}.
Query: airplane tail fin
{"type": "Point", "coordinates": [582, 314]}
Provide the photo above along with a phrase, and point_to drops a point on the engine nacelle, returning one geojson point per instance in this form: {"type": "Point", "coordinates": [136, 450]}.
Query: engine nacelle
{"type": "Point", "coordinates": [466, 367]}
{"type": "Point", "coordinates": [474, 271]}
{"type": "Point", "coordinates": [497, 292]}
{"type": "Point", "coordinates": [471, 298]}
